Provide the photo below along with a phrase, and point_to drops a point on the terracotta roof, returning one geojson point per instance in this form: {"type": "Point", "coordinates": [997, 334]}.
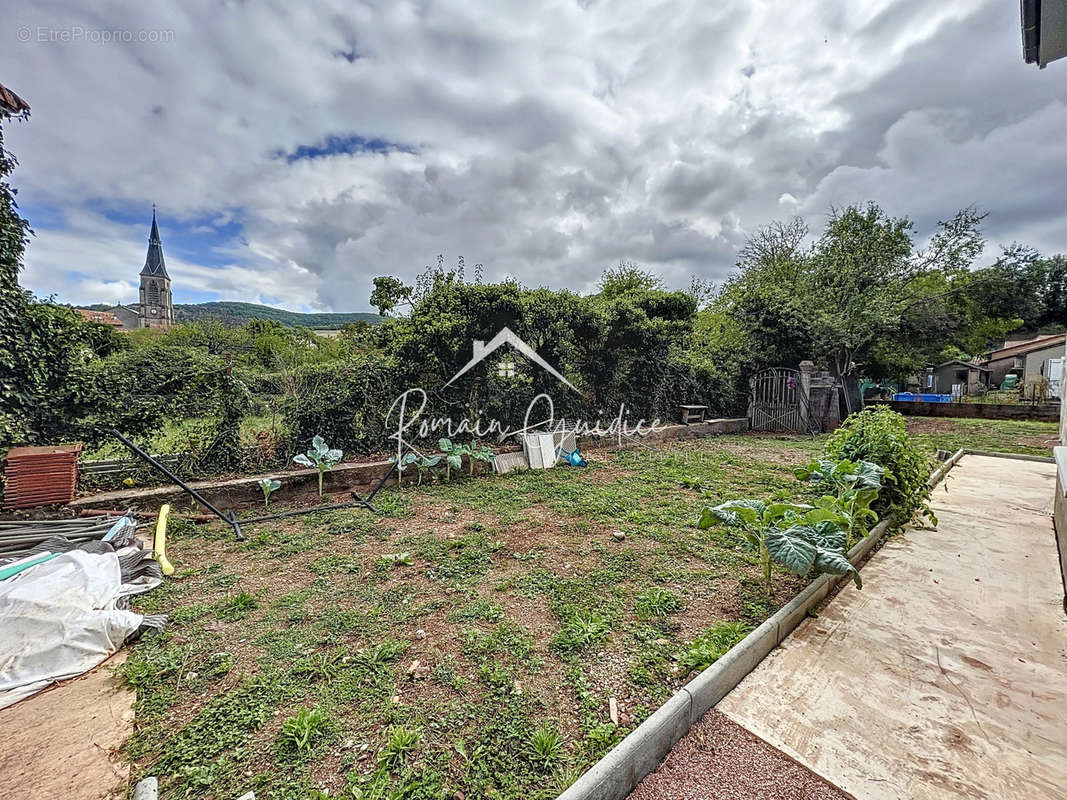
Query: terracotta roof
{"type": "Point", "coordinates": [1040, 343]}
{"type": "Point", "coordinates": [11, 102]}
{"type": "Point", "coordinates": [103, 317]}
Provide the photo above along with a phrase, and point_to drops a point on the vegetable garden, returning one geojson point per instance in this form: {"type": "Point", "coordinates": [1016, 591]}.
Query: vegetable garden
{"type": "Point", "coordinates": [491, 636]}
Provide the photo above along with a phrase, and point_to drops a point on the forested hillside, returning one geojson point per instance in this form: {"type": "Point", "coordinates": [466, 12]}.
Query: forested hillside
{"type": "Point", "coordinates": [232, 313]}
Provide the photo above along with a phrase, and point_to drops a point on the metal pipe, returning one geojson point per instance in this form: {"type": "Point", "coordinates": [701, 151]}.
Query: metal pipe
{"type": "Point", "coordinates": [284, 514]}
{"type": "Point", "coordinates": [229, 519]}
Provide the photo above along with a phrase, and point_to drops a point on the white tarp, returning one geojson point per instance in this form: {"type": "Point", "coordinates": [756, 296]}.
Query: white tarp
{"type": "Point", "coordinates": [58, 619]}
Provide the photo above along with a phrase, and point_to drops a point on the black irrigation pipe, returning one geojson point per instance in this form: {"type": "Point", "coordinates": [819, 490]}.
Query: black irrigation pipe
{"type": "Point", "coordinates": [365, 502]}
{"type": "Point", "coordinates": [229, 519]}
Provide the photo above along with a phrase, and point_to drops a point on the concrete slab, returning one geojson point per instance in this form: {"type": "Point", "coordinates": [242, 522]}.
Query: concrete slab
{"type": "Point", "coordinates": [64, 742]}
{"type": "Point", "coordinates": [946, 676]}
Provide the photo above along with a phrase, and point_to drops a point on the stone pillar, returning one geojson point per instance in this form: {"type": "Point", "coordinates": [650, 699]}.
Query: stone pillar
{"type": "Point", "coordinates": [807, 369]}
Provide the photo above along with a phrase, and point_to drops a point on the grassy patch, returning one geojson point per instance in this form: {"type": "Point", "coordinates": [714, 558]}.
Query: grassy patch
{"type": "Point", "coordinates": [469, 639]}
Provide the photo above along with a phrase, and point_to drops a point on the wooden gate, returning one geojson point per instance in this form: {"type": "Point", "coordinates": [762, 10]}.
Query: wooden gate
{"type": "Point", "coordinates": [777, 402]}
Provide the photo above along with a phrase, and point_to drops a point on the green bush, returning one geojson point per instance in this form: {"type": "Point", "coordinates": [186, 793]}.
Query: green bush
{"type": "Point", "coordinates": [880, 435]}
{"type": "Point", "coordinates": [344, 402]}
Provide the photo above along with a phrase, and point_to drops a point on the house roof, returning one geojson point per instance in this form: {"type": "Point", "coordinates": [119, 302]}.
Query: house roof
{"type": "Point", "coordinates": [11, 103]}
{"type": "Point", "coordinates": [1021, 348]}
{"type": "Point", "coordinates": [968, 364]}
{"type": "Point", "coordinates": [103, 317]}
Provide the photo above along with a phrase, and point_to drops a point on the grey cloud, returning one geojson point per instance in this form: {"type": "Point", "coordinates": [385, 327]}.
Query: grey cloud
{"type": "Point", "coordinates": [546, 142]}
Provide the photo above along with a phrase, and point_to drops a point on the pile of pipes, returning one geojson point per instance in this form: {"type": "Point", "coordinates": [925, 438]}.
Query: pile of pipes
{"type": "Point", "coordinates": [21, 537]}
{"type": "Point", "coordinates": [27, 543]}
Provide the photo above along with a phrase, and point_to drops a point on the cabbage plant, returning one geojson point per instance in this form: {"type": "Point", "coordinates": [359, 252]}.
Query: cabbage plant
{"type": "Point", "coordinates": [855, 485]}
{"type": "Point", "coordinates": [798, 537]}
{"type": "Point", "coordinates": [269, 486]}
{"type": "Point", "coordinates": [320, 456]}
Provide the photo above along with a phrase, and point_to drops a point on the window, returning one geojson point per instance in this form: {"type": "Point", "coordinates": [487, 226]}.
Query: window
{"type": "Point", "coordinates": [152, 295]}
{"type": "Point", "coordinates": [506, 368]}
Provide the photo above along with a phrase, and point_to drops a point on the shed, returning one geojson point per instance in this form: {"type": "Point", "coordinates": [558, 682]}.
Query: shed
{"type": "Point", "coordinates": [957, 377]}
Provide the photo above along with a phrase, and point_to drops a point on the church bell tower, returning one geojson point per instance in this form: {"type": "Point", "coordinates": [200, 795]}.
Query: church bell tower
{"type": "Point", "coordinates": [156, 309]}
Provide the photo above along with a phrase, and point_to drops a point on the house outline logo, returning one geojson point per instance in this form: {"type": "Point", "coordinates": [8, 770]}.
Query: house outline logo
{"type": "Point", "coordinates": [507, 336]}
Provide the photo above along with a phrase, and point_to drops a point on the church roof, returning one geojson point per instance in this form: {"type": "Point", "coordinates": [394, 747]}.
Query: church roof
{"type": "Point", "coordinates": [153, 264]}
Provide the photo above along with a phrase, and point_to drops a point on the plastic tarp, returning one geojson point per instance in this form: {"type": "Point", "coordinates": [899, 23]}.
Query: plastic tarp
{"type": "Point", "coordinates": [60, 619]}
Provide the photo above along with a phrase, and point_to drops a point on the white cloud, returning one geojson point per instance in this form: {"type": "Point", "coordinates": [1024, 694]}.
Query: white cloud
{"type": "Point", "coordinates": [547, 141]}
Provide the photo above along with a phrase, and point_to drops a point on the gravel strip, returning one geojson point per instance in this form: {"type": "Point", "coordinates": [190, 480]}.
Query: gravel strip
{"type": "Point", "coordinates": [720, 760]}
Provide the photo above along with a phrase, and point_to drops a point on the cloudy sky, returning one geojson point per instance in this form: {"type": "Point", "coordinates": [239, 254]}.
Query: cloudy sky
{"type": "Point", "coordinates": [296, 150]}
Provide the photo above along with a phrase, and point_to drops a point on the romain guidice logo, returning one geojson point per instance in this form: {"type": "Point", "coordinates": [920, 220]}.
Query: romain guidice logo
{"type": "Point", "coordinates": [507, 336]}
{"type": "Point", "coordinates": [412, 424]}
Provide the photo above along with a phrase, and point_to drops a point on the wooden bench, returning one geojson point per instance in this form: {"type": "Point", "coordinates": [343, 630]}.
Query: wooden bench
{"type": "Point", "coordinates": [692, 414]}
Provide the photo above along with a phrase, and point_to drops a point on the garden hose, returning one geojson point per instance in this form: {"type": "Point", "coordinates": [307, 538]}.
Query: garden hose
{"type": "Point", "coordinates": [159, 544]}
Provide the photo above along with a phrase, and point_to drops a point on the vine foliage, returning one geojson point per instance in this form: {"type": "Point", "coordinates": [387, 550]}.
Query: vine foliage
{"type": "Point", "coordinates": [880, 435]}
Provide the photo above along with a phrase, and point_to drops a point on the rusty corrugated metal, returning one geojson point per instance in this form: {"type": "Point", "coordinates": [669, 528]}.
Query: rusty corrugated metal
{"type": "Point", "coordinates": [41, 476]}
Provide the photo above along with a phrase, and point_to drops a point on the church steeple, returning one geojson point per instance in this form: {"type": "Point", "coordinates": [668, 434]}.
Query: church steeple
{"type": "Point", "coordinates": [154, 264]}
{"type": "Point", "coordinates": [156, 303]}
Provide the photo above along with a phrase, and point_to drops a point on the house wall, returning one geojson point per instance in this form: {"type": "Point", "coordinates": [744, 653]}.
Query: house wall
{"type": "Point", "coordinates": [1036, 359]}
{"type": "Point", "coordinates": [127, 316]}
{"type": "Point", "coordinates": [999, 368]}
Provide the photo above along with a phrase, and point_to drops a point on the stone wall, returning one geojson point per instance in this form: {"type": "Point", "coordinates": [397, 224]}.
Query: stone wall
{"type": "Point", "coordinates": [1044, 412]}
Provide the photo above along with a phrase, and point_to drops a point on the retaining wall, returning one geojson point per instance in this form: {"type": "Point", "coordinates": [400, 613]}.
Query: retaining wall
{"type": "Point", "coordinates": [244, 492]}
{"type": "Point", "coordinates": [1043, 412]}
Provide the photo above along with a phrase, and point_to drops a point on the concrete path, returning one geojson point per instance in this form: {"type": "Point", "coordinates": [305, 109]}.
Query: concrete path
{"type": "Point", "coordinates": [946, 676]}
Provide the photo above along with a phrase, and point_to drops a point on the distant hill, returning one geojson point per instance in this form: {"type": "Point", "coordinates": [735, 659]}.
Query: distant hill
{"type": "Point", "coordinates": [229, 313]}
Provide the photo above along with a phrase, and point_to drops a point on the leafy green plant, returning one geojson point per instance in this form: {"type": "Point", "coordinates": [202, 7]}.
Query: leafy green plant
{"type": "Point", "coordinates": [797, 537]}
{"type": "Point", "coordinates": [879, 434]}
{"type": "Point", "coordinates": [855, 485]}
{"type": "Point", "coordinates": [428, 465]}
{"type": "Point", "coordinates": [657, 602]}
{"type": "Point", "coordinates": [453, 455]}
{"type": "Point", "coordinates": [402, 463]}
{"type": "Point", "coordinates": [300, 732]}
{"type": "Point", "coordinates": [320, 456]}
{"type": "Point", "coordinates": [545, 746]}
{"type": "Point", "coordinates": [400, 742]}
{"type": "Point", "coordinates": [476, 452]}
{"type": "Point", "coordinates": [712, 645]}
{"type": "Point", "coordinates": [269, 486]}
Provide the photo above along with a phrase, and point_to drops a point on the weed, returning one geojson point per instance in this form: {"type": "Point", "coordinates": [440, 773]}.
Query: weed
{"type": "Point", "coordinates": [401, 741]}
{"type": "Point", "coordinates": [300, 733]}
{"type": "Point", "coordinates": [712, 645]}
{"type": "Point", "coordinates": [581, 629]}
{"type": "Point", "coordinates": [657, 602]}
{"type": "Point", "coordinates": [318, 666]}
{"type": "Point", "coordinates": [564, 779]}
{"type": "Point", "coordinates": [545, 747]}
{"type": "Point", "coordinates": [478, 610]}
{"type": "Point", "coordinates": [187, 614]}
{"type": "Point", "coordinates": [235, 606]}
